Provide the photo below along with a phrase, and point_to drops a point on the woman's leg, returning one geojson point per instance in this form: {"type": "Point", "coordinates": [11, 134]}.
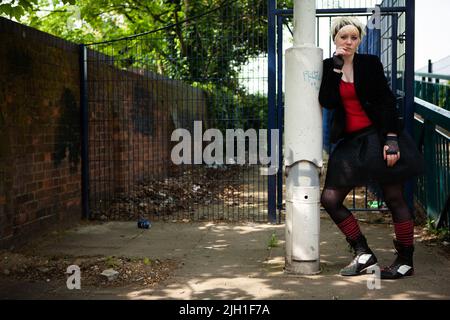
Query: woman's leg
{"type": "Point", "coordinates": [332, 200]}
{"type": "Point", "coordinates": [404, 233]}
{"type": "Point", "coordinates": [401, 214]}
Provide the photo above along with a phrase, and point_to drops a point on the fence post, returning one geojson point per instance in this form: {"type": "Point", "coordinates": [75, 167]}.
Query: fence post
{"type": "Point", "coordinates": [280, 112]}
{"type": "Point", "coordinates": [409, 87]}
{"type": "Point", "coordinates": [447, 98]}
{"type": "Point", "coordinates": [272, 193]}
{"type": "Point", "coordinates": [84, 132]}
{"type": "Point", "coordinates": [430, 160]}
{"type": "Point", "coordinates": [430, 69]}
{"type": "Point", "coordinates": [394, 75]}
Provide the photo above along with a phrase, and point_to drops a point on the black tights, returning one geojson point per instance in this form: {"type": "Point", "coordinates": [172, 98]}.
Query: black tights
{"type": "Point", "coordinates": [332, 200]}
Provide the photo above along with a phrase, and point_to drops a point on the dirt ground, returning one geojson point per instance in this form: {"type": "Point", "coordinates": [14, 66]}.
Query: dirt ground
{"type": "Point", "coordinates": [143, 271]}
{"type": "Point", "coordinates": [205, 260]}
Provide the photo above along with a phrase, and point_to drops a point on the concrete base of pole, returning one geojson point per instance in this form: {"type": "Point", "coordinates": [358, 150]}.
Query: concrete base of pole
{"type": "Point", "coordinates": [302, 219]}
{"type": "Point", "coordinates": [302, 267]}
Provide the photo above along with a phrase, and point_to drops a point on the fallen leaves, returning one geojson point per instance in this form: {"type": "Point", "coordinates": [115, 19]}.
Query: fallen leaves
{"type": "Point", "coordinates": [162, 197]}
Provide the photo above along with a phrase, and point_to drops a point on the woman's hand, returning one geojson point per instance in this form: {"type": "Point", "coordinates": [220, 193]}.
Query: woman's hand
{"type": "Point", "coordinates": [338, 59]}
{"type": "Point", "coordinates": [342, 51]}
{"type": "Point", "coordinates": [391, 151]}
{"type": "Point", "coordinates": [338, 63]}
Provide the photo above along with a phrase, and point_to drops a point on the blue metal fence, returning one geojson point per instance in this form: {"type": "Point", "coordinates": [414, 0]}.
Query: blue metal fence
{"type": "Point", "coordinates": [433, 88]}
{"type": "Point", "coordinates": [432, 128]}
{"type": "Point", "coordinates": [387, 42]}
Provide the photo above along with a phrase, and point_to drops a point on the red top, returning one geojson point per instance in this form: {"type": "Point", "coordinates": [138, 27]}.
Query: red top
{"type": "Point", "coordinates": [355, 116]}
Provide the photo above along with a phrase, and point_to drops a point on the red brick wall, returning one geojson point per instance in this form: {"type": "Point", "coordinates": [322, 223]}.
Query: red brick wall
{"type": "Point", "coordinates": [39, 92]}
{"type": "Point", "coordinates": [130, 125]}
{"type": "Point", "coordinates": [130, 129]}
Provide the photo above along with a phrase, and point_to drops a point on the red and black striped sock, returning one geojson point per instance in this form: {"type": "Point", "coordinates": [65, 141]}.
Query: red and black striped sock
{"type": "Point", "coordinates": [404, 232]}
{"type": "Point", "coordinates": [350, 227]}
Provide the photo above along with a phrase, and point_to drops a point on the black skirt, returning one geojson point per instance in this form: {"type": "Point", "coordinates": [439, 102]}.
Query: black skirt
{"type": "Point", "coordinates": [357, 161]}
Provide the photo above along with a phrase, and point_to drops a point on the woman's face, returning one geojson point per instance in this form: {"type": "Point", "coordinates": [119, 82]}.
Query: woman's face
{"type": "Point", "coordinates": [348, 38]}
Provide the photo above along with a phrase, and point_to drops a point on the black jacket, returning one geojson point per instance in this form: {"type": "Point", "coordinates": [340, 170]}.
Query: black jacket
{"type": "Point", "coordinates": [373, 92]}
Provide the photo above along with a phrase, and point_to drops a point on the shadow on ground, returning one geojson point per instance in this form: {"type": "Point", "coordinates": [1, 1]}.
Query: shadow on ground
{"type": "Point", "coordinates": [226, 261]}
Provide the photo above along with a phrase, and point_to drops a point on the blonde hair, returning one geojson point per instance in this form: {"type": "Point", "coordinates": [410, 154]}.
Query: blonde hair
{"type": "Point", "coordinates": [341, 22]}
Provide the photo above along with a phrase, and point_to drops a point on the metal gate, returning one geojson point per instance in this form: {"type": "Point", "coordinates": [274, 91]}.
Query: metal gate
{"type": "Point", "coordinates": [391, 38]}
{"type": "Point", "coordinates": [220, 69]}
{"type": "Point", "coordinates": [207, 71]}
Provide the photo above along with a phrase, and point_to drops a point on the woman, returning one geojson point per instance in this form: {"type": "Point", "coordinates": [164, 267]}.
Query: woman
{"type": "Point", "coordinates": [371, 147]}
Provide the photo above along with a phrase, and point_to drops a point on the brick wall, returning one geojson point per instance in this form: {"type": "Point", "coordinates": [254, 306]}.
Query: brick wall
{"type": "Point", "coordinates": [39, 132]}
{"type": "Point", "coordinates": [129, 128]}
{"type": "Point", "coordinates": [131, 118]}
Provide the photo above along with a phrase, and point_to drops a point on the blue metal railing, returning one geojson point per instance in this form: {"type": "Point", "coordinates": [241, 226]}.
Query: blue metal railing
{"type": "Point", "coordinates": [433, 88]}
{"type": "Point", "coordinates": [433, 131]}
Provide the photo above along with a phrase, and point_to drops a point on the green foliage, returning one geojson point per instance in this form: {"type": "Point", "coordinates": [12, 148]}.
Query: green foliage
{"type": "Point", "coordinates": [112, 262]}
{"type": "Point", "coordinates": [208, 50]}
{"type": "Point", "coordinates": [255, 109]}
{"type": "Point", "coordinates": [273, 241]}
{"type": "Point", "coordinates": [234, 108]}
{"type": "Point", "coordinates": [441, 233]}
{"type": "Point", "coordinates": [218, 38]}
{"type": "Point", "coordinates": [434, 93]}
{"type": "Point", "coordinates": [18, 8]}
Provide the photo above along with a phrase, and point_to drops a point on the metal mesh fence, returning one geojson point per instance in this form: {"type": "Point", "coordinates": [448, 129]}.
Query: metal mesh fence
{"type": "Point", "coordinates": [206, 72]}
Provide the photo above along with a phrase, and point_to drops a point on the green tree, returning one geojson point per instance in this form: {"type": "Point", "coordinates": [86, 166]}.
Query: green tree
{"type": "Point", "coordinates": [217, 37]}
{"type": "Point", "coordinates": [197, 41]}
{"type": "Point", "coordinates": [215, 40]}
{"type": "Point", "coordinates": [18, 8]}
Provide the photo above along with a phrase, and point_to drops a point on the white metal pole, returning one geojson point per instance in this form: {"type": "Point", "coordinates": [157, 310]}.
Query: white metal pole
{"type": "Point", "coordinates": [303, 143]}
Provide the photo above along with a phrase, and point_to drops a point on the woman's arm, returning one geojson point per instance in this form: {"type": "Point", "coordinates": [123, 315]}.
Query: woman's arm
{"type": "Point", "coordinates": [387, 100]}
{"type": "Point", "coordinates": [389, 115]}
{"type": "Point", "coordinates": [329, 88]}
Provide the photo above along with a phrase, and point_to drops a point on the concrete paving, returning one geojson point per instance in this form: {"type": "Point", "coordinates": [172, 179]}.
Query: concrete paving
{"type": "Point", "coordinates": [232, 261]}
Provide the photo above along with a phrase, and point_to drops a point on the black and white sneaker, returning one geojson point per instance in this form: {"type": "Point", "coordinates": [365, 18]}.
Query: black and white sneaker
{"type": "Point", "coordinates": [364, 257]}
{"type": "Point", "coordinates": [403, 264]}
{"type": "Point", "coordinates": [397, 271]}
{"type": "Point", "coordinates": [359, 264]}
